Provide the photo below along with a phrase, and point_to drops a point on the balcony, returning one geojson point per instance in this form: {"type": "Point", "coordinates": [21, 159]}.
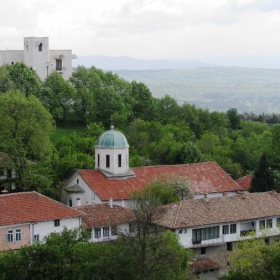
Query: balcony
{"type": "Point", "coordinates": [247, 232]}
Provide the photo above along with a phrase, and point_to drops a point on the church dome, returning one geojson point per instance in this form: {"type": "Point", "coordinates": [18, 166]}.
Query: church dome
{"type": "Point", "coordinates": [112, 139]}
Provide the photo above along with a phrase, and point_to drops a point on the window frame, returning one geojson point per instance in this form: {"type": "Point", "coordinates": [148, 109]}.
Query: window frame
{"type": "Point", "coordinates": [114, 230]}
{"type": "Point", "coordinates": [225, 229]}
{"type": "Point", "coordinates": [106, 231]}
{"type": "Point", "coordinates": [10, 235]}
{"type": "Point", "coordinates": [262, 224]}
{"type": "Point", "coordinates": [232, 228]}
{"type": "Point", "coordinates": [56, 223]}
{"type": "Point", "coordinates": [97, 232]}
{"type": "Point", "coordinates": [58, 64]}
{"type": "Point", "coordinates": [269, 223]}
{"type": "Point", "coordinates": [18, 234]}
{"type": "Point", "coordinates": [119, 160]}
{"type": "Point", "coordinates": [107, 161]}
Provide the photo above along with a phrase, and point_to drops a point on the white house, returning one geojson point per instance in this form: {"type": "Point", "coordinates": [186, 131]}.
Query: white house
{"type": "Point", "coordinates": [37, 55]}
{"type": "Point", "coordinates": [28, 217]}
{"type": "Point", "coordinates": [106, 221]}
{"type": "Point", "coordinates": [210, 226]}
{"type": "Point", "coordinates": [112, 177]}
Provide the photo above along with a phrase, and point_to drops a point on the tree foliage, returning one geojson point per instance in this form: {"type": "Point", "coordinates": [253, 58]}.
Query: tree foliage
{"type": "Point", "coordinates": [254, 259]}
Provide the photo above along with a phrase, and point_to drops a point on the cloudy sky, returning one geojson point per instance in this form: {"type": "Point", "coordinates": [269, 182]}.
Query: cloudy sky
{"type": "Point", "coordinates": [146, 29]}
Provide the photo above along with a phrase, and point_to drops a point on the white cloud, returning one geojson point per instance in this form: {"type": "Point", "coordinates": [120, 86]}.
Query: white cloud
{"type": "Point", "coordinates": [145, 28]}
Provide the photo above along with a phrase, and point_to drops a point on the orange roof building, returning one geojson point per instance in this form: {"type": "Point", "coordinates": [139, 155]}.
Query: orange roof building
{"type": "Point", "coordinates": [29, 216]}
{"type": "Point", "coordinates": [112, 177]}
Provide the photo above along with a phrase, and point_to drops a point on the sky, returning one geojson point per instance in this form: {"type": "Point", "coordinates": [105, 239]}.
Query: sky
{"type": "Point", "coordinates": [146, 29]}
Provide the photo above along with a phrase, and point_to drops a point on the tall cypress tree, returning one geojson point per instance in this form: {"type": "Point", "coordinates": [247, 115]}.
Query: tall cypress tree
{"type": "Point", "coordinates": [263, 179]}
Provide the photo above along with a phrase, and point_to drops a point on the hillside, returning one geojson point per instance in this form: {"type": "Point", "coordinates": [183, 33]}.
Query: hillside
{"type": "Point", "coordinates": [247, 89]}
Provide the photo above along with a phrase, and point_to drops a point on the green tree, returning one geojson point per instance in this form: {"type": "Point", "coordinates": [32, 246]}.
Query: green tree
{"type": "Point", "coordinates": [58, 95]}
{"type": "Point", "coordinates": [263, 179]}
{"type": "Point", "coordinates": [234, 118]}
{"type": "Point", "coordinates": [24, 79]}
{"type": "Point", "coordinates": [25, 127]}
{"type": "Point", "coordinates": [253, 259]}
{"type": "Point", "coordinates": [157, 253]}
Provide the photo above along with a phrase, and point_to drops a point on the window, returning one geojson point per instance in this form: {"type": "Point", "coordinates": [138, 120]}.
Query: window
{"type": "Point", "coordinates": [278, 222]}
{"type": "Point", "coordinates": [119, 160]}
{"type": "Point", "coordinates": [18, 234]}
{"type": "Point", "coordinates": [262, 224]}
{"type": "Point", "coordinates": [269, 223]}
{"type": "Point", "coordinates": [56, 223]}
{"type": "Point", "coordinates": [77, 181]}
{"type": "Point", "coordinates": [36, 238]}
{"type": "Point", "coordinates": [229, 246]}
{"type": "Point", "coordinates": [131, 228]}
{"type": "Point", "coordinates": [108, 161]}
{"type": "Point", "coordinates": [106, 231]}
{"type": "Point", "coordinates": [98, 160]}
{"type": "Point", "coordinates": [233, 228]}
{"type": "Point", "coordinates": [114, 230]}
{"type": "Point", "coordinates": [180, 231]}
{"type": "Point", "coordinates": [70, 204]}
{"type": "Point", "coordinates": [27, 48]}
{"type": "Point", "coordinates": [205, 234]}
{"type": "Point", "coordinates": [40, 47]}
{"type": "Point", "coordinates": [203, 251]}
{"type": "Point", "coordinates": [2, 171]}
{"type": "Point", "coordinates": [59, 64]}
{"type": "Point", "coordinates": [97, 232]}
{"type": "Point", "coordinates": [225, 229]}
{"type": "Point", "coordinates": [10, 235]}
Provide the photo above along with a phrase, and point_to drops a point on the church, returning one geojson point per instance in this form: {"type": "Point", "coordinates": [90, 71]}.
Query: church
{"type": "Point", "coordinates": [113, 179]}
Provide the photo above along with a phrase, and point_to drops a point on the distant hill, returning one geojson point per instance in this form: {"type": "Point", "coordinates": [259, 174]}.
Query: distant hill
{"type": "Point", "coordinates": [246, 89]}
{"type": "Point", "coordinates": [128, 63]}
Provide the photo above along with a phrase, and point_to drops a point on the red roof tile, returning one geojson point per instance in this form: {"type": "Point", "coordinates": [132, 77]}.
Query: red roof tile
{"type": "Point", "coordinates": [205, 177]}
{"type": "Point", "coordinates": [245, 182]}
{"type": "Point", "coordinates": [204, 265]}
{"type": "Point", "coordinates": [29, 207]}
{"type": "Point", "coordinates": [226, 209]}
{"type": "Point", "coordinates": [103, 215]}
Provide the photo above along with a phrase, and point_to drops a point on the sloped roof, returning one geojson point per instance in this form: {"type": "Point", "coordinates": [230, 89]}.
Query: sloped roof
{"type": "Point", "coordinates": [29, 207]}
{"type": "Point", "coordinates": [245, 182]}
{"type": "Point", "coordinates": [103, 215]}
{"type": "Point", "coordinates": [226, 209]}
{"type": "Point", "coordinates": [207, 177]}
{"type": "Point", "coordinates": [204, 265]}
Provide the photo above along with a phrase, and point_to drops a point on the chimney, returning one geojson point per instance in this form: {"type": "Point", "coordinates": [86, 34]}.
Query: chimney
{"type": "Point", "coordinates": [111, 202]}
{"type": "Point", "coordinates": [205, 197]}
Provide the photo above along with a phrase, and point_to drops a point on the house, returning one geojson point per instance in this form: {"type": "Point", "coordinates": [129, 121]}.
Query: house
{"type": "Point", "coordinates": [37, 55]}
{"type": "Point", "coordinates": [7, 174]}
{"type": "Point", "coordinates": [28, 217]}
{"type": "Point", "coordinates": [210, 226]}
{"type": "Point", "coordinates": [106, 221]}
{"type": "Point", "coordinates": [112, 177]}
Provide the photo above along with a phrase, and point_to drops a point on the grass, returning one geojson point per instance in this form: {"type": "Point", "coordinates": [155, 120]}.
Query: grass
{"type": "Point", "coordinates": [66, 131]}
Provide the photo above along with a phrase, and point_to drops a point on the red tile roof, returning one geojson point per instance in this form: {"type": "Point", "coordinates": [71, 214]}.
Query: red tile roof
{"type": "Point", "coordinates": [205, 177]}
{"type": "Point", "coordinates": [204, 265]}
{"type": "Point", "coordinates": [29, 207]}
{"type": "Point", "coordinates": [226, 209]}
{"type": "Point", "coordinates": [245, 182]}
{"type": "Point", "coordinates": [99, 215]}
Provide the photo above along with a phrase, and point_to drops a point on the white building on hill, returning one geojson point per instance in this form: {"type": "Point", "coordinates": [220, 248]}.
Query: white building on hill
{"type": "Point", "coordinates": [37, 55]}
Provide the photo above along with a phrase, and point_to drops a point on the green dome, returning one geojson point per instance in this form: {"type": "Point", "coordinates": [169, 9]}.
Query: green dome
{"type": "Point", "coordinates": [112, 139]}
